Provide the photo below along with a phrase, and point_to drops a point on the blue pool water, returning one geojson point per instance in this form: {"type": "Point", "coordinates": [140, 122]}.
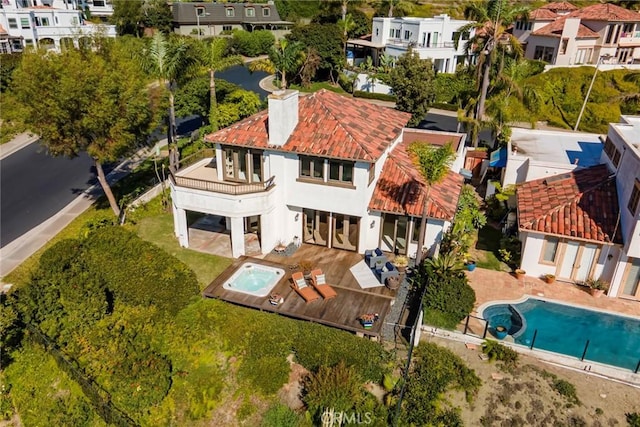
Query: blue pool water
{"type": "Point", "coordinates": [613, 340]}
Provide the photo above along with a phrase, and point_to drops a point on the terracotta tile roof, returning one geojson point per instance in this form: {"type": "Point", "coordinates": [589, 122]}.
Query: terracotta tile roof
{"type": "Point", "coordinates": [582, 204]}
{"type": "Point", "coordinates": [434, 137]}
{"type": "Point", "coordinates": [606, 12]}
{"type": "Point", "coordinates": [401, 189]}
{"type": "Point", "coordinates": [542, 15]}
{"type": "Point", "coordinates": [329, 125]}
{"type": "Point", "coordinates": [555, 28]}
{"type": "Point", "coordinates": [559, 6]}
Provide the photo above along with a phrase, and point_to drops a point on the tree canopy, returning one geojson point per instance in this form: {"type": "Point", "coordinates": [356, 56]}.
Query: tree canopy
{"type": "Point", "coordinates": [94, 100]}
{"type": "Point", "coordinates": [133, 16]}
{"type": "Point", "coordinates": [412, 81]}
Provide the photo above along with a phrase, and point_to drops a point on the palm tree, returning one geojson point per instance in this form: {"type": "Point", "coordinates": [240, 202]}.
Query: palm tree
{"type": "Point", "coordinates": [433, 163]}
{"type": "Point", "coordinates": [346, 24]}
{"type": "Point", "coordinates": [214, 58]}
{"type": "Point", "coordinates": [167, 59]}
{"type": "Point", "coordinates": [492, 20]}
{"type": "Point", "coordinates": [285, 57]}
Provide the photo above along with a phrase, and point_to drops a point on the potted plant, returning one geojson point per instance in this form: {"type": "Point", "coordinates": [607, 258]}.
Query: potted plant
{"type": "Point", "coordinates": [549, 278]}
{"type": "Point", "coordinates": [306, 267]}
{"type": "Point", "coordinates": [401, 262]}
{"type": "Point", "coordinates": [366, 320]}
{"type": "Point", "coordinates": [597, 286]}
{"type": "Point", "coordinates": [471, 265]}
{"type": "Point", "coordinates": [520, 273]}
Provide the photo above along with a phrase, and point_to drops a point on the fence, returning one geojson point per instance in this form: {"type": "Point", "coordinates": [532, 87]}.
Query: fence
{"type": "Point", "coordinates": [99, 398]}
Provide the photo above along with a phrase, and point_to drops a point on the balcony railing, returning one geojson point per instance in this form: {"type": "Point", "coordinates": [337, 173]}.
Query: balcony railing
{"type": "Point", "coordinates": [214, 185]}
{"type": "Point", "coordinates": [223, 187]}
{"type": "Point", "coordinates": [405, 44]}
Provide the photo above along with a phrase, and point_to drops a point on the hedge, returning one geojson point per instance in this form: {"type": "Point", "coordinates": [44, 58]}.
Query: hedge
{"type": "Point", "coordinates": [444, 106]}
{"type": "Point", "coordinates": [374, 95]}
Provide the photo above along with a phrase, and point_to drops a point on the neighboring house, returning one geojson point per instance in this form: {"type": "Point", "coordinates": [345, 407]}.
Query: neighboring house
{"type": "Point", "coordinates": [584, 223]}
{"type": "Point", "coordinates": [31, 24]}
{"type": "Point", "coordinates": [437, 38]}
{"type": "Point", "coordinates": [324, 170]}
{"type": "Point", "coordinates": [561, 34]}
{"type": "Point", "coordinates": [9, 43]}
{"type": "Point", "coordinates": [214, 19]}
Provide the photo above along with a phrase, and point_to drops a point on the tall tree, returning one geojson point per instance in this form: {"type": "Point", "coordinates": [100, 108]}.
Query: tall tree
{"type": "Point", "coordinates": [492, 18]}
{"type": "Point", "coordinates": [393, 8]}
{"type": "Point", "coordinates": [326, 39]}
{"type": "Point", "coordinates": [433, 163]}
{"type": "Point", "coordinates": [214, 56]}
{"type": "Point", "coordinates": [166, 59]}
{"type": "Point", "coordinates": [412, 80]}
{"type": "Point", "coordinates": [84, 101]}
{"type": "Point", "coordinates": [286, 57]}
{"type": "Point", "coordinates": [133, 16]}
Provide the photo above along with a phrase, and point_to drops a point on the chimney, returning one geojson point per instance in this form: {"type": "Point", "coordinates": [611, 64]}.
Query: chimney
{"type": "Point", "coordinates": [283, 115]}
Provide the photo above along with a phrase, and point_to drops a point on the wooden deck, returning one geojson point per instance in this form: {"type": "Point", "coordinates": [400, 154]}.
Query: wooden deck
{"type": "Point", "coordinates": [340, 312]}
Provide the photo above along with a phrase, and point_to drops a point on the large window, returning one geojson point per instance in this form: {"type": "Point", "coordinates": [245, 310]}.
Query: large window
{"type": "Point", "coordinates": [242, 165]}
{"type": "Point", "coordinates": [341, 171]}
{"type": "Point", "coordinates": [612, 152]}
{"type": "Point", "coordinates": [635, 198]}
{"type": "Point", "coordinates": [631, 280]}
{"type": "Point", "coordinates": [13, 23]}
{"type": "Point", "coordinates": [550, 250]}
{"type": "Point", "coordinates": [543, 53]}
{"type": "Point", "coordinates": [311, 168]}
{"type": "Point", "coordinates": [24, 23]}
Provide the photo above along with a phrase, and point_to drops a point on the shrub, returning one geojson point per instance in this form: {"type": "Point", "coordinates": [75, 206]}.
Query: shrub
{"type": "Point", "coordinates": [566, 389]}
{"type": "Point", "coordinates": [253, 43]}
{"type": "Point", "coordinates": [497, 351]}
{"type": "Point", "coordinates": [444, 106]}
{"type": "Point", "coordinates": [338, 387]}
{"type": "Point", "coordinates": [436, 370]}
{"type": "Point", "coordinates": [510, 250]}
{"type": "Point", "coordinates": [374, 95]}
{"type": "Point", "coordinates": [139, 272]}
{"type": "Point", "coordinates": [633, 419]}
{"type": "Point", "coordinates": [447, 295]}
{"type": "Point", "coordinates": [280, 415]}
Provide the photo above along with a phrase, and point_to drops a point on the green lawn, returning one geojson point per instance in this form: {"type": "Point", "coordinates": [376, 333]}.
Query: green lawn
{"type": "Point", "coordinates": [486, 249]}
{"type": "Point", "coordinates": [316, 86]}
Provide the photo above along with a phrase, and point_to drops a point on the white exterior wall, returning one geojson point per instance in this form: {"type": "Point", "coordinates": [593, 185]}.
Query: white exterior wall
{"type": "Point", "coordinates": [62, 24]}
{"type": "Point", "coordinates": [534, 41]}
{"type": "Point", "coordinates": [431, 38]}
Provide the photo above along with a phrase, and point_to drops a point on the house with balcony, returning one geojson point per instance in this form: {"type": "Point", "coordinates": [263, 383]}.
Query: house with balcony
{"type": "Point", "coordinates": [321, 169]}
{"type": "Point", "coordinates": [562, 34]}
{"type": "Point", "coordinates": [584, 223]}
{"type": "Point", "coordinates": [214, 19]}
{"type": "Point", "coordinates": [29, 23]}
{"type": "Point", "coordinates": [438, 38]}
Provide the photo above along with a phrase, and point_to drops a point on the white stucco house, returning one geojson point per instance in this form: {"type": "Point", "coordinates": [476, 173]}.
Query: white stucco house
{"type": "Point", "coordinates": [321, 169]}
{"type": "Point", "coordinates": [562, 34]}
{"type": "Point", "coordinates": [47, 24]}
{"type": "Point", "coordinates": [584, 222]}
{"type": "Point", "coordinates": [437, 38]}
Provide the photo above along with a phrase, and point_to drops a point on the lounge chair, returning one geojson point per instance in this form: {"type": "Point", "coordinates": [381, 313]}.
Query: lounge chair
{"type": "Point", "coordinates": [319, 284]}
{"type": "Point", "coordinates": [372, 257]}
{"type": "Point", "coordinates": [386, 271]}
{"type": "Point", "coordinates": [300, 286]}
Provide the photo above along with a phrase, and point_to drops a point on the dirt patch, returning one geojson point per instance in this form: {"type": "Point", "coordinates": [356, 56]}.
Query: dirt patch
{"type": "Point", "coordinates": [290, 393]}
{"type": "Point", "coordinates": [525, 396]}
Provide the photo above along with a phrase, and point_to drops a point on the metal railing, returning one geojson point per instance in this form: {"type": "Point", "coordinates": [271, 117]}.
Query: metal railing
{"type": "Point", "coordinates": [197, 156]}
{"type": "Point", "coordinates": [415, 45]}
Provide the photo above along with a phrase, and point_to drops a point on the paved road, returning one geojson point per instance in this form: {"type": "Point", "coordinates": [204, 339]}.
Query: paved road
{"type": "Point", "coordinates": [34, 186]}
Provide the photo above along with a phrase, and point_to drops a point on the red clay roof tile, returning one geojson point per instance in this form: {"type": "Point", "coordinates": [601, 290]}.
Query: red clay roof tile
{"type": "Point", "coordinates": [582, 204]}
{"type": "Point", "coordinates": [542, 15]}
{"type": "Point", "coordinates": [401, 189]}
{"type": "Point", "coordinates": [606, 12]}
{"type": "Point", "coordinates": [559, 6]}
{"type": "Point", "coordinates": [329, 125]}
{"type": "Point", "coordinates": [555, 28]}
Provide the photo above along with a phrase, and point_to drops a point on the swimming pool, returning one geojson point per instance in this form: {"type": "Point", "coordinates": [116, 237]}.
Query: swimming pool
{"type": "Point", "coordinates": [254, 279]}
{"type": "Point", "coordinates": [613, 339]}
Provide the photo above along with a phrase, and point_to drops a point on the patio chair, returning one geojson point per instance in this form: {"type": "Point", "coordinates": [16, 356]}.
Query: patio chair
{"type": "Point", "coordinates": [387, 270]}
{"type": "Point", "coordinates": [373, 257]}
{"type": "Point", "coordinates": [319, 284]}
{"type": "Point", "coordinates": [300, 286]}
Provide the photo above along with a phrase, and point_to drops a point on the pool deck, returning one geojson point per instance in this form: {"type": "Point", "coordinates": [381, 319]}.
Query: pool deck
{"type": "Point", "coordinates": [340, 312]}
{"type": "Point", "coordinates": [491, 285]}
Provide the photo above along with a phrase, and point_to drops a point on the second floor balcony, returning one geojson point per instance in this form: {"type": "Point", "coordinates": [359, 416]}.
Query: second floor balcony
{"type": "Point", "coordinates": [629, 39]}
{"type": "Point", "coordinates": [199, 172]}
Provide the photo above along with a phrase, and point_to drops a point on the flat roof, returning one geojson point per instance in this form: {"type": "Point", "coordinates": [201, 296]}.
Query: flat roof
{"type": "Point", "coordinates": [629, 130]}
{"type": "Point", "coordinates": [557, 146]}
{"type": "Point", "coordinates": [366, 43]}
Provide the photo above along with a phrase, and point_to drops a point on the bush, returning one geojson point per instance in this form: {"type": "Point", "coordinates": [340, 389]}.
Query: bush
{"type": "Point", "coordinates": [436, 370]}
{"type": "Point", "coordinates": [139, 272]}
{"type": "Point", "coordinates": [566, 389]}
{"type": "Point", "coordinates": [633, 419]}
{"type": "Point", "coordinates": [280, 415]}
{"type": "Point", "coordinates": [253, 43]}
{"type": "Point", "coordinates": [374, 95]}
{"type": "Point", "coordinates": [447, 297]}
{"type": "Point", "coordinates": [444, 106]}
{"type": "Point", "coordinates": [338, 387]}
{"type": "Point", "coordinates": [317, 346]}
{"type": "Point", "coordinates": [500, 352]}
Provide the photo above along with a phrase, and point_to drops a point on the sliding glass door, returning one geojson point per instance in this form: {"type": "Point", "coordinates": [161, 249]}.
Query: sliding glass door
{"type": "Point", "coordinates": [345, 232]}
{"type": "Point", "coordinates": [315, 227]}
{"type": "Point", "coordinates": [394, 233]}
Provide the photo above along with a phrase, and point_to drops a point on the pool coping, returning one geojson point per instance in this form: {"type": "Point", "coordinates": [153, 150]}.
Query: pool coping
{"type": "Point", "coordinates": [227, 283]}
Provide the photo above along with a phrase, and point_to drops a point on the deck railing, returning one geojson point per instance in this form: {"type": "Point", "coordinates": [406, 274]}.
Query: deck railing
{"type": "Point", "coordinates": [223, 187]}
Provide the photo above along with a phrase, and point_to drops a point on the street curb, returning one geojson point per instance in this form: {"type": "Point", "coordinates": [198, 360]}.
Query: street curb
{"type": "Point", "coordinates": [17, 143]}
